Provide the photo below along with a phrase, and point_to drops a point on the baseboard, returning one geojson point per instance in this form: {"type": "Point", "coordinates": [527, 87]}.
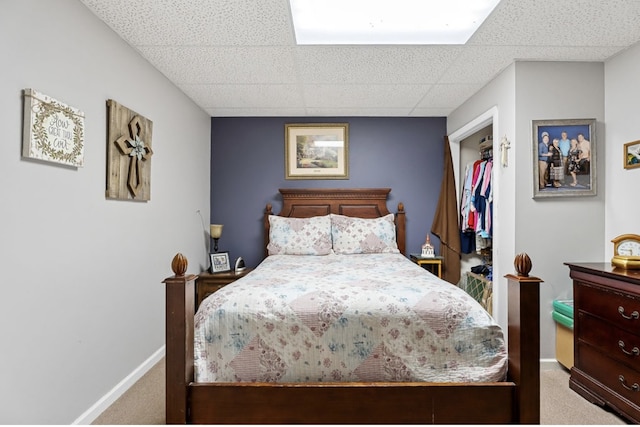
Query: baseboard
{"type": "Point", "coordinates": [107, 400]}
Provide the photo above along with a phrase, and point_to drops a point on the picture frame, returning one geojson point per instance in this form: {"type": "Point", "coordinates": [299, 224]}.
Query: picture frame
{"type": "Point", "coordinates": [52, 131]}
{"type": "Point", "coordinates": [631, 159]}
{"type": "Point", "coordinates": [220, 262]}
{"type": "Point", "coordinates": [317, 151]}
{"type": "Point", "coordinates": [569, 170]}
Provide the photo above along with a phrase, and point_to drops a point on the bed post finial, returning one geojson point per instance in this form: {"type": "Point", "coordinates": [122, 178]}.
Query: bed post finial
{"type": "Point", "coordinates": [522, 263]}
{"type": "Point", "coordinates": [179, 264]}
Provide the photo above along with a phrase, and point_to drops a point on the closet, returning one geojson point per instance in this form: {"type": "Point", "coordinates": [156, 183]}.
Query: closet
{"type": "Point", "coordinates": [476, 225]}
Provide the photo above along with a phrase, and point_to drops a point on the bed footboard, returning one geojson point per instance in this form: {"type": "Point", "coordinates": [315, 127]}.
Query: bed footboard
{"type": "Point", "coordinates": [516, 400]}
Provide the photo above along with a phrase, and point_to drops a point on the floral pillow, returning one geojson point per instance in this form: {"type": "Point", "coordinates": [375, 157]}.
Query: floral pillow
{"type": "Point", "coordinates": [299, 236]}
{"type": "Point", "coordinates": [362, 235]}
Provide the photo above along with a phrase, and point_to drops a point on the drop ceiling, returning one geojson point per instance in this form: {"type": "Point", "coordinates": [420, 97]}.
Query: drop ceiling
{"type": "Point", "coordinates": [238, 58]}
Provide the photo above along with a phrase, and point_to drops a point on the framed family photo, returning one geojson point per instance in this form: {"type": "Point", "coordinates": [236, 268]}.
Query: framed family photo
{"type": "Point", "coordinates": [564, 158]}
{"type": "Point", "coordinates": [220, 262]}
{"type": "Point", "coordinates": [632, 155]}
{"type": "Point", "coordinates": [317, 151]}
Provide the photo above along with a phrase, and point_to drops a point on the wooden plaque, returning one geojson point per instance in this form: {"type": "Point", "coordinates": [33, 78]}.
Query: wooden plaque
{"type": "Point", "coordinates": [128, 154]}
{"type": "Point", "coordinates": [53, 131]}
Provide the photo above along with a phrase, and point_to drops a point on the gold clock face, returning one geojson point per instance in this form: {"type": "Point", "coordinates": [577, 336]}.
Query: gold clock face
{"type": "Point", "coordinates": [626, 251]}
{"type": "Point", "coordinates": [629, 247]}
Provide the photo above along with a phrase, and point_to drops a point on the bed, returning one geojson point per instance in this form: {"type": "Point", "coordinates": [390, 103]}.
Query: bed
{"type": "Point", "coordinates": [343, 398]}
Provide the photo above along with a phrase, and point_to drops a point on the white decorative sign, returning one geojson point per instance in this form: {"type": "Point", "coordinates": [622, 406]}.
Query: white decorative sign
{"type": "Point", "coordinates": [53, 131]}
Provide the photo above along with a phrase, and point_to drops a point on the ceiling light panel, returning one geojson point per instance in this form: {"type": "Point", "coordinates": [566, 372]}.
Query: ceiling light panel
{"type": "Point", "coordinates": [398, 22]}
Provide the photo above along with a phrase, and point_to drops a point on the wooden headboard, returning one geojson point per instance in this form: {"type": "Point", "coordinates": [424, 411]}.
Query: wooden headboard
{"type": "Point", "coordinates": [356, 202]}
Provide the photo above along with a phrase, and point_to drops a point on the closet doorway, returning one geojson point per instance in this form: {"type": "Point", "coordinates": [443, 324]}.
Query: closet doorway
{"type": "Point", "coordinates": [465, 148]}
{"type": "Point", "coordinates": [476, 217]}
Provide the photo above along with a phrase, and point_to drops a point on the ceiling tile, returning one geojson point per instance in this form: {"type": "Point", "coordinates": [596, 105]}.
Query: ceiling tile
{"type": "Point", "coordinates": [244, 96]}
{"type": "Point", "coordinates": [236, 65]}
{"type": "Point", "coordinates": [448, 95]}
{"type": "Point", "coordinates": [374, 64]}
{"type": "Point", "coordinates": [360, 111]}
{"type": "Point", "coordinates": [561, 23]}
{"type": "Point", "coordinates": [362, 96]}
{"type": "Point", "coordinates": [197, 22]}
{"type": "Point", "coordinates": [239, 57]}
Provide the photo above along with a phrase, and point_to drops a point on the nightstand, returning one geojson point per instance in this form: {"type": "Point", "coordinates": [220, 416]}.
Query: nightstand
{"type": "Point", "coordinates": [207, 283]}
{"type": "Point", "coordinates": [433, 264]}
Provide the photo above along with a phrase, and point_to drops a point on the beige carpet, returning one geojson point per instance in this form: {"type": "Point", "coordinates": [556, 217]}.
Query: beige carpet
{"type": "Point", "coordinates": [561, 405]}
{"type": "Point", "coordinates": [144, 402]}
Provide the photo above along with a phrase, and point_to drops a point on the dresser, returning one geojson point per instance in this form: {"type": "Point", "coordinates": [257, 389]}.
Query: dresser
{"type": "Point", "coordinates": [606, 367]}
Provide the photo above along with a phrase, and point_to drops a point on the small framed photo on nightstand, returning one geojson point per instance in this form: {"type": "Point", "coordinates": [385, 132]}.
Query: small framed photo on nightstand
{"type": "Point", "coordinates": [220, 262]}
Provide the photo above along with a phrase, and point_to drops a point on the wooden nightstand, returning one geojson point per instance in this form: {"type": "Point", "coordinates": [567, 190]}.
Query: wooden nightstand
{"type": "Point", "coordinates": [207, 283]}
{"type": "Point", "coordinates": [434, 264]}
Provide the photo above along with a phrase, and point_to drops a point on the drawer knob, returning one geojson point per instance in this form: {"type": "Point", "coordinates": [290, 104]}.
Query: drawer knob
{"type": "Point", "coordinates": [634, 351]}
{"type": "Point", "coordinates": [633, 315]}
{"type": "Point", "coordinates": [634, 387]}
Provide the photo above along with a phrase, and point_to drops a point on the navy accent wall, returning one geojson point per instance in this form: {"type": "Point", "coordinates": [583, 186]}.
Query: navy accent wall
{"type": "Point", "coordinates": [247, 169]}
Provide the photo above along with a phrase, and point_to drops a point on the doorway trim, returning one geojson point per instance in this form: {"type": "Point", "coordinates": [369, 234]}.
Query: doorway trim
{"type": "Point", "coordinates": [483, 120]}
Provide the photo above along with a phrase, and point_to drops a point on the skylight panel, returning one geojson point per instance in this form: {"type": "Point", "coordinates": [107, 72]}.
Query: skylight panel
{"type": "Point", "coordinates": [388, 21]}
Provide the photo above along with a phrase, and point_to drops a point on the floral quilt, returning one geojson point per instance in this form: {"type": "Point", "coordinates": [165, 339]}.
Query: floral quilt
{"type": "Point", "coordinates": [336, 318]}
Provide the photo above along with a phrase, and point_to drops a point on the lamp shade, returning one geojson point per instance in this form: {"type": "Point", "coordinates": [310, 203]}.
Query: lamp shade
{"type": "Point", "coordinates": [215, 230]}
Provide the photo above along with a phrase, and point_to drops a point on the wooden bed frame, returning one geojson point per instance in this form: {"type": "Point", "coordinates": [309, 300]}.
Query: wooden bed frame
{"type": "Point", "coordinates": [516, 400]}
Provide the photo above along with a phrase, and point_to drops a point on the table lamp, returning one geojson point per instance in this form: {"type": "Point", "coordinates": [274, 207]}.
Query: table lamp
{"type": "Point", "coordinates": [216, 231]}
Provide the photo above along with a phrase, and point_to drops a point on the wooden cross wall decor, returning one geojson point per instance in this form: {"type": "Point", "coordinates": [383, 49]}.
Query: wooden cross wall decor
{"type": "Point", "coordinates": [128, 154]}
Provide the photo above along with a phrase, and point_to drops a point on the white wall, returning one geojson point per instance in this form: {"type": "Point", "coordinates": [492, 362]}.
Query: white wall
{"type": "Point", "coordinates": [81, 301]}
{"type": "Point", "coordinates": [557, 230]}
{"type": "Point", "coordinates": [622, 91]}
{"type": "Point", "coordinates": [552, 231]}
{"type": "Point", "coordinates": [495, 103]}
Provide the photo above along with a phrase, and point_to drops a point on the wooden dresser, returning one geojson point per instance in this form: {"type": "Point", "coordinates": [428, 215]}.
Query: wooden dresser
{"type": "Point", "coordinates": [606, 368]}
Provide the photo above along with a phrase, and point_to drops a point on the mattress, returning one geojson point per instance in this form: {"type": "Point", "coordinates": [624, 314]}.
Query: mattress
{"type": "Point", "coordinates": [345, 318]}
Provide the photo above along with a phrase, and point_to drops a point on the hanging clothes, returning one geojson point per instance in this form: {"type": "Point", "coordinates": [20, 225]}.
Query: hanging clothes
{"type": "Point", "coordinates": [476, 205]}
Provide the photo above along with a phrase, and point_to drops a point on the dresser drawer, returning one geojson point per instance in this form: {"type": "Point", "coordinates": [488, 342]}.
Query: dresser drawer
{"type": "Point", "coordinates": [606, 325]}
{"type": "Point", "coordinates": [618, 343]}
{"type": "Point", "coordinates": [622, 309]}
{"type": "Point", "coordinates": [615, 376]}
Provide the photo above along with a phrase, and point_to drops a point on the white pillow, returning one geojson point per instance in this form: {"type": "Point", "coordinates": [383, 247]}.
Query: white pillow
{"type": "Point", "coordinates": [299, 236]}
{"type": "Point", "coordinates": [363, 235]}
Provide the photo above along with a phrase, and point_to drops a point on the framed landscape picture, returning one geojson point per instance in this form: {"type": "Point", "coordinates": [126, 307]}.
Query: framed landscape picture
{"type": "Point", "coordinates": [317, 151]}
